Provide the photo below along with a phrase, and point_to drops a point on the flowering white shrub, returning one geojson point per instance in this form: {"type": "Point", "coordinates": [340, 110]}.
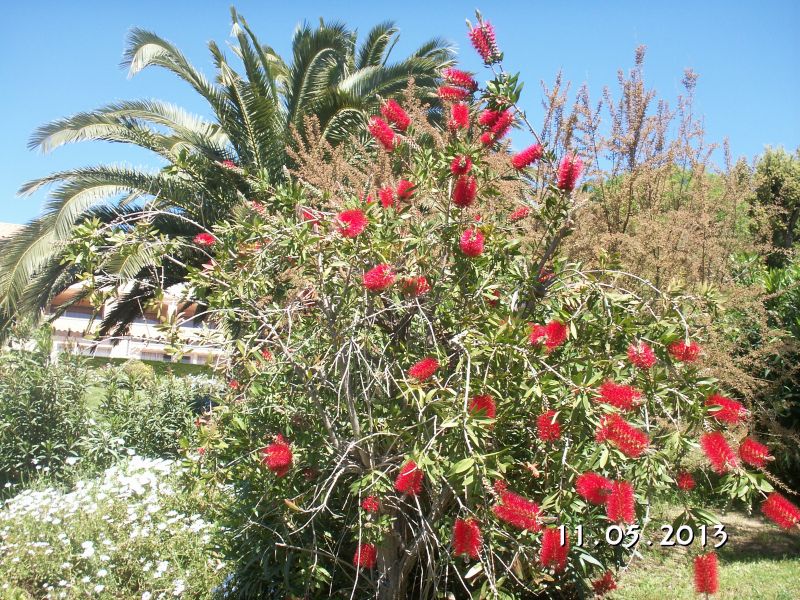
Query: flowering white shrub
{"type": "Point", "coordinates": [130, 533]}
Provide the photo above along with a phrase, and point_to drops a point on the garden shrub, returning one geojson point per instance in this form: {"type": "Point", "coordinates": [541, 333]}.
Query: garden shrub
{"type": "Point", "coordinates": [43, 418]}
{"type": "Point", "coordinates": [48, 429]}
{"type": "Point", "coordinates": [778, 407]}
{"type": "Point", "coordinates": [422, 392]}
{"type": "Point", "coordinates": [151, 414]}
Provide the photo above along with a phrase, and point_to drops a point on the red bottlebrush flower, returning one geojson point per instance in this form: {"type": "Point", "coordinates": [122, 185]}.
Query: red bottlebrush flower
{"type": "Point", "coordinates": [201, 451]}
{"type": "Point", "coordinates": [621, 396]}
{"type": "Point", "coordinates": [730, 410]}
{"type": "Point", "coordinates": [554, 553]}
{"type": "Point", "coordinates": [395, 114]}
{"type": "Point", "coordinates": [381, 131]}
{"type": "Point", "coordinates": [483, 40]}
{"type": "Point", "coordinates": [547, 427]}
{"type": "Point", "coordinates": [409, 479]}
{"type": "Point", "coordinates": [522, 159]}
{"type": "Point", "coordinates": [495, 300]}
{"type": "Point", "coordinates": [379, 278]}
{"type": "Point", "coordinates": [205, 239]}
{"type": "Point", "coordinates": [519, 214]}
{"type": "Point", "coordinates": [308, 216]}
{"type": "Point", "coordinates": [482, 406]}
{"type": "Point", "coordinates": [459, 116]}
{"type": "Point", "coordinates": [517, 511]}
{"type": "Point", "coordinates": [685, 481]}
{"type": "Point", "coordinates": [424, 369]}
{"type": "Point", "coordinates": [234, 384]}
{"type": "Point", "coordinates": [452, 94]}
{"type": "Point", "coordinates": [718, 451]}
{"type": "Point", "coordinates": [460, 165]}
{"type": "Point", "coordinates": [465, 190]}
{"type": "Point", "coordinates": [387, 197]}
{"type": "Point", "coordinates": [554, 334]}
{"type": "Point", "coordinates": [415, 286]}
{"type": "Point", "coordinates": [371, 504]}
{"type": "Point", "coordinates": [228, 164]}
{"type": "Point", "coordinates": [471, 242]}
{"type": "Point", "coordinates": [405, 189]}
{"type": "Point", "coordinates": [620, 506]}
{"type": "Point", "coordinates": [683, 351]}
{"type": "Point", "coordinates": [754, 453]}
{"type": "Point", "coordinates": [487, 138]}
{"type": "Point", "coordinates": [266, 354]}
{"type": "Point", "coordinates": [538, 332]}
{"type": "Point", "coordinates": [632, 442]}
{"type": "Point", "coordinates": [779, 510]}
{"type": "Point", "coordinates": [569, 171]}
{"type": "Point", "coordinates": [706, 574]}
{"type": "Point", "coordinates": [467, 538]}
{"type": "Point", "coordinates": [488, 118]}
{"type": "Point", "coordinates": [352, 222]}
{"type": "Point", "coordinates": [498, 122]}
{"type": "Point", "coordinates": [365, 556]}
{"type": "Point", "coordinates": [277, 456]}
{"type": "Point", "coordinates": [593, 487]}
{"type": "Point", "coordinates": [460, 78]}
{"type": "Point", "coordinates": [641, 355]}
{"type": "Point", "coordinates": [604, 584]}
{"type": "Point", "coordinates": [502, 125]}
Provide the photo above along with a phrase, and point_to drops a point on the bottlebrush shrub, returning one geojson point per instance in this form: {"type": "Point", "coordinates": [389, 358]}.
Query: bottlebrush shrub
{"type": "Point", "coordinates": [464, 497]}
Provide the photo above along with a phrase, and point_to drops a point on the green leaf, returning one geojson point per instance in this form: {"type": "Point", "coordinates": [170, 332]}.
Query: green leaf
{"type": "Point", "coordinates": [704, 516]}
{"type": "Point", "coordinates": [603, 458]}
{"type": "Point", "coordinates": [474, 570]}
{"type": "Point", "coordinates": [462, 465]}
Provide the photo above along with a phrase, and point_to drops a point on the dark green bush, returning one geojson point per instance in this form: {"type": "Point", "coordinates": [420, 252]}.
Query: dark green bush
{"type": "Point", "coordinates": [61, 419]}
{"type": "Point", "coordinates": [151, 413]}
{"type": "Point", "coordinates": [43, 418]}
{"type": "Point", "coordinates": [777, 402]}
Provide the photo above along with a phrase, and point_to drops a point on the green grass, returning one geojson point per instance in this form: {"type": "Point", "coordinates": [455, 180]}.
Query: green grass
{"type": "Point", "coordinates": [759, 562]}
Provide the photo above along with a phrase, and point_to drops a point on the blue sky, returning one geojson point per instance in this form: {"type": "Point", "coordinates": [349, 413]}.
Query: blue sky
{"type": "Point", "coordinates": [63, 57]}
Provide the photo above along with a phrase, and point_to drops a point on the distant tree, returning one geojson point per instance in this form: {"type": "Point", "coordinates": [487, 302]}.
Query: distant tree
{"type": "Point", "coordinates": [778, 187]}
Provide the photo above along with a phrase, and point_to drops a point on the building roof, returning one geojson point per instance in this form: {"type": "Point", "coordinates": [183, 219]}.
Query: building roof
{"type": "Point", "coordinates": [8, 229]}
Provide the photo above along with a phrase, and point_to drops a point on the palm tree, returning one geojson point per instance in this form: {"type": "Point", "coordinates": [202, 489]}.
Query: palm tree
{"type": "Point", "coordinates": [253, 114]}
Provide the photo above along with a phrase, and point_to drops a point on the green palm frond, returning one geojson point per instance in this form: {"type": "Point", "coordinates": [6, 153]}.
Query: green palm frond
{"type": "Point", "coordinates": [253, 108]}
{"type": "Point", "coordinates": [21, 256]}
{"type": "Point", "coordinates": [126, 263]}
{"type": "Point", "coordinates": [318, 56]}
{"type": "Point", "coordinates": [437, 49]}
{"type": "Point", "coordinates": [377, 45]}
{"type": "Point", "coordinates": [271, 63]}
{"type": "Point", "coordinates": [50, 279]}
{"type": "Point", "coordinates": [147, 49]}
{"type": "Point", "coordinates": [80, 189]}
{"type": "Point", "coordinates": [253, 118]}
{"type": "Point", "coordinates": [129, 122]}
{"type": "Point", "coordinates": [130, 305]}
